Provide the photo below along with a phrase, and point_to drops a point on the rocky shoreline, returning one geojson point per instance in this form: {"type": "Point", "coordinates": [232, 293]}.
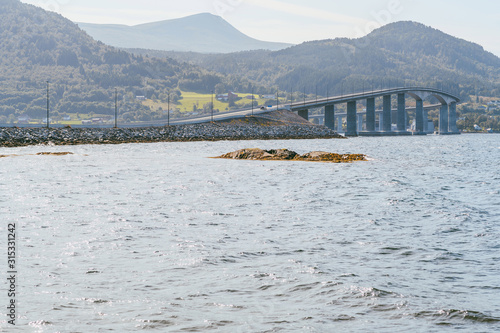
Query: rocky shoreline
{"type": "Point", "coordinates": [16, 137]}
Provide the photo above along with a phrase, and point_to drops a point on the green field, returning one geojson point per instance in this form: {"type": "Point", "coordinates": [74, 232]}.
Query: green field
{"type": "Point", "coordinates": [191, 98]}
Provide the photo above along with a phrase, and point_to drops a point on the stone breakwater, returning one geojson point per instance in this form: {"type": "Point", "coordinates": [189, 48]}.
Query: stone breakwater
{"type": "Point", "coordinates": [288, 155]}
{"type": "Point", "coordinates": [15, 137]}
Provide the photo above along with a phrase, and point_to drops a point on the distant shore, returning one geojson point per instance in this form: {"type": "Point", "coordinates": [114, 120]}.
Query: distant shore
{"type": "Point", "coordinates": [18, 137]}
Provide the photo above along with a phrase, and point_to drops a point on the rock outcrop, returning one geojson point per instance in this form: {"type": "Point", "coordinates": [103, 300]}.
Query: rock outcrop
{"type": "Point", "coordinates": [285, 154]}
{"type": "Point", "coordinates": [55, 154]}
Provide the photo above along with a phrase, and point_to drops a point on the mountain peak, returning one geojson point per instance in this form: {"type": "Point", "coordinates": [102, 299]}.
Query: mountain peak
{"type": "Point", "coordinates": [204, 33]}
{"type": "Point", "coordinates": [404, 28]}
{"type": "Point", "coordinates": [201, 18]}
{"type": "Point", "coordinates": [414, 37]}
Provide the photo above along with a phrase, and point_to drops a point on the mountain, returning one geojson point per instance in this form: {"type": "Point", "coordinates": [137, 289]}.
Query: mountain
{"type": "Point", "coordinates": [37, 46]}
{"type": "Point", "coordinates": [401, 53]}
{"type": "Point", "coordinates": [205, 33]}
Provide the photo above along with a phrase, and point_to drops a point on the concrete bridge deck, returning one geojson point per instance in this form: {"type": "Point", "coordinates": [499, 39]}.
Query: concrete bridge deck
{"type": "Point", "coordinates": [447, 114]}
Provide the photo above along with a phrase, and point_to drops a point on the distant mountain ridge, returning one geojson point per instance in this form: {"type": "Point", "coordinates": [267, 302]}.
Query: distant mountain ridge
{"type": "Point", "coordinates": [397, 54]}
{"type": "Point", "coordinates": [204, 33]}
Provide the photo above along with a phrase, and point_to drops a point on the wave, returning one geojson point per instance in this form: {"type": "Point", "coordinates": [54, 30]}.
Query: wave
{"type": "Point", "coordinates": [453, 316]}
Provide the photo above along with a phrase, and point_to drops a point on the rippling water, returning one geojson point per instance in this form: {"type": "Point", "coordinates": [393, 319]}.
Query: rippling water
{"type": "Point", "coordinates": [158, 237]}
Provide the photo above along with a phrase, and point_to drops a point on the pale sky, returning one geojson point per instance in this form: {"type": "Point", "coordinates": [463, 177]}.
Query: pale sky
{"type": "Point", "coordinates": [296, 21]}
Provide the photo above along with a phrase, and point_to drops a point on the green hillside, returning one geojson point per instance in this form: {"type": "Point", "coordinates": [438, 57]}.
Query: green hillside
{"type": "Point", "coordinates": [37, 46]}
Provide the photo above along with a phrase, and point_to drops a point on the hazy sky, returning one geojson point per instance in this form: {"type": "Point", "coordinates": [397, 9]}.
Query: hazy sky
{"type": "Point", "coordinates": [295, 21]}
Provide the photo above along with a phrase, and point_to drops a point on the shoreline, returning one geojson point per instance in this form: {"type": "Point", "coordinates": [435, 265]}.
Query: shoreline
{"type": "Point", "coordinates": [21, 137]}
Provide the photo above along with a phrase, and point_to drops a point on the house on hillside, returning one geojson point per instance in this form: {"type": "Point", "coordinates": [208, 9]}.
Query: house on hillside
{"type": "Point", "coordinates": [226, 97]}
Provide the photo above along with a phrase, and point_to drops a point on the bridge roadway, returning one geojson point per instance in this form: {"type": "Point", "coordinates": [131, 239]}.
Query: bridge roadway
{"type": "Point", "coordinates": [447, 114]}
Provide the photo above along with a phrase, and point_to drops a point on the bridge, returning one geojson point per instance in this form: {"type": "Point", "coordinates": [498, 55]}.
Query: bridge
{"type": "Point", "coordinates": [354, 119]}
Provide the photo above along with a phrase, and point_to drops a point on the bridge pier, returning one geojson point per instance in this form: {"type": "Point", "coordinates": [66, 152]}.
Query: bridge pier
{"type": "Point", "coordinates": [426, 123]}
{"type": "Point", "coordinates": [351, 119]}
{"type": "Point", "coordinates": [370, 114]}
{"type": "Point", "coordinates": [304, 114]}
{"type": "Point", "coordinates": [419, 117]}
{"type": "Point", "coordinates": [401, 121]}
{"type": "Point", "coordinates": [387, 114]}
{"type": "Point", "coordinates": [330, 116]}
{"type": "Point", "coordinates": [452, 118]}
{"type": "Point", "coordinates": [443, 119]}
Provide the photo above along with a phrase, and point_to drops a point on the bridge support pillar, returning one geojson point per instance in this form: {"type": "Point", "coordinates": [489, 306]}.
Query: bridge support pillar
{"type": "Point", "coordinates": [419, 118]}
{"type": "Point", "coordinates": [401, 113]}
{"type": "Point", "coordinates": [443, 119]}
{"type": "Point", "coordinates": [330, 116]}
{"type": "Point", "coordinates": [387, 114]}
{"type": "Point", "coordinates": [427, 128]}
{"type": "Point", "coordinates": [351, 119]}
{"type": "Point", "coordinates": [452, 118]}
{"type": "Point", "coordinates": [381, 122]}
{"type": "Point", "coordinates": [304, 114]}
{"type": "Point", "coordinates": [370, 115]}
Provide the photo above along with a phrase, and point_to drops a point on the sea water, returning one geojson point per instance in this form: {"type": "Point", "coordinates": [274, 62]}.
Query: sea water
{"type": "Point", "coordinates": [160, 237]}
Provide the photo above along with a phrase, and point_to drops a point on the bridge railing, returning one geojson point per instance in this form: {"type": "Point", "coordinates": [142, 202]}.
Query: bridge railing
{"type": "Point", "coordinates": [364, 94]}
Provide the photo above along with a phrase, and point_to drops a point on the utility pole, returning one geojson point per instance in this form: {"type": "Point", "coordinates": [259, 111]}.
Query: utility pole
{"type": "Point", "coordinates": [304, 96]}
{"type": "Point", "coordinates": [116, 108]}
{"type": "Point", "coordinates": [277, 99]}
{"type": "Point", "coordinates": [212, 106]}
{"type": "Point", "coordinates": [252, 101]}
{"type": "Point", "coordinates": [48, 105]}
{"type": "Point", "coordinates": [168, 110]}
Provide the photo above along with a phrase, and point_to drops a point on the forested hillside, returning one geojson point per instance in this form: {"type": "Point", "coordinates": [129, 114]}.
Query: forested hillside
{"type": "Point", "coordinates": [38, 46]}
{"type": "Point", "coordinates": [399, 54]}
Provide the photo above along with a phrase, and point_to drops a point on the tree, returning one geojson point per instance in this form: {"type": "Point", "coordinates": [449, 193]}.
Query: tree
{"type": "Point", "coordinates": [68, 58]}
{"type": "Point", "coordinates": [220, 88]}
{"type": "Point", "coordinates": [207, 107]}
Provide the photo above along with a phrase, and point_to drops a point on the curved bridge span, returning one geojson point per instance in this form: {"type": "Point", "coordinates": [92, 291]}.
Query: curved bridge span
{"type": "Point", "coordinates": [447, 114]}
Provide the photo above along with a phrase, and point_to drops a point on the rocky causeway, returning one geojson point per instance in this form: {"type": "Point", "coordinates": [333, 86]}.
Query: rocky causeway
{"type": "Point", "coordinates": [15, 137]}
